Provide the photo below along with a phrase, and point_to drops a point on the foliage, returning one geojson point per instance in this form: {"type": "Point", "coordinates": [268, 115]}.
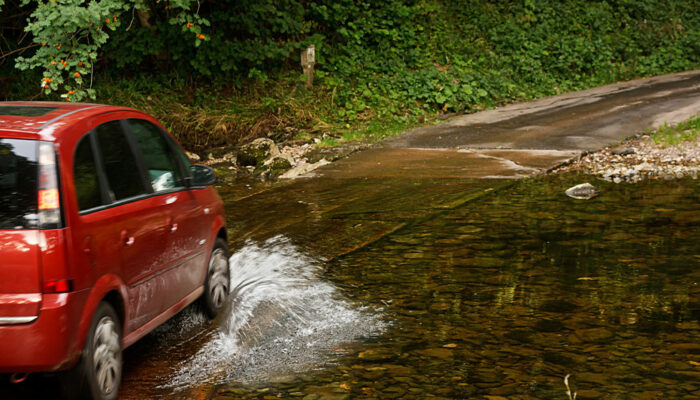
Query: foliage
{"type": "Point", "coordinates": [69, 33]}
{"type": "Point", "coordinates": [391, 61]}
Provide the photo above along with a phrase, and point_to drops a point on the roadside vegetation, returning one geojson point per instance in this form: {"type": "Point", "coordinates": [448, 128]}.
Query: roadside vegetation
{"type": "Point", "coordinates": [382, 66]}
{"type": "Point", "coordinates": [686, 131]}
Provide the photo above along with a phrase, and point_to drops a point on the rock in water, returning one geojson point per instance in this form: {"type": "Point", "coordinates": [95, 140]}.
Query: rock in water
{"type": "Point", "coordinates": [255, 153]}
{"type": "Point", "coordinates": [583, 191]}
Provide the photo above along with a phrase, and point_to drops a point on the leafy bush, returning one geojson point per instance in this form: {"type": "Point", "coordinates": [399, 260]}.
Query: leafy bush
{"type": "Point", "coordinates": [381, 59]}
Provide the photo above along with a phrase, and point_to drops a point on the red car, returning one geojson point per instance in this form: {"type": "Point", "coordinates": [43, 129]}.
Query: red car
{"type": "Point", "coordinates": [106, 231]}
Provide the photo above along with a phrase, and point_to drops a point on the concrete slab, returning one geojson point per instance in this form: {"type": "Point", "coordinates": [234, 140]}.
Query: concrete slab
{"type": "Point", "coordinates": [445, 163]}
{"type": "Point", "coordinates": [584, 121]}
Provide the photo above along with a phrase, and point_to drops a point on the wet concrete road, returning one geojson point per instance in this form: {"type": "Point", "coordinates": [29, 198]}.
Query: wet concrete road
{"type": "Point", "coordinates": [440, 167]}
{"type": "Point", "coordinates": [354, 202]}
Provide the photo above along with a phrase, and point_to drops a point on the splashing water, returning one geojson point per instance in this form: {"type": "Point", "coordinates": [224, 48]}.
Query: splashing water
{"type": "Point", "coordinates": [282, 319]}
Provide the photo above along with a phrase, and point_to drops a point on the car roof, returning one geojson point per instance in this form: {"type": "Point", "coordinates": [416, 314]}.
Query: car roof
{"type": "Point", "coordinates": [38, 119]}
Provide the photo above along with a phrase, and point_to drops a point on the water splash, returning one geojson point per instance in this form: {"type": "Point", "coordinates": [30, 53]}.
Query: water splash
{"type": "Point", "coordinates": [282, 319]}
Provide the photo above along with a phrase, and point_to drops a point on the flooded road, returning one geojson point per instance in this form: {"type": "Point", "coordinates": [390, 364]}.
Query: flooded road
{"type": "Point", "coordinates": [498, 297]}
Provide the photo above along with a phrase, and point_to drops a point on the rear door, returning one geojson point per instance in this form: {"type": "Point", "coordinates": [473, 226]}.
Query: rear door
{"type": "Point", "coordinates": [186, 220]}
{"type": "Point", "coordinates": [20, 269]}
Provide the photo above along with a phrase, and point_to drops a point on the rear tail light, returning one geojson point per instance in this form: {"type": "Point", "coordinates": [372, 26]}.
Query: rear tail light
{"type": "Point", "coordinates": [58, 286]}
{"type": "Point", "coordinates": [49, 196]}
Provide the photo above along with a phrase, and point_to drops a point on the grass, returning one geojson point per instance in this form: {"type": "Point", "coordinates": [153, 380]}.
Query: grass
{"type": "Point", "coordinates": [688, 130]}
{"type": "Point", "coordinates": [211, 116]}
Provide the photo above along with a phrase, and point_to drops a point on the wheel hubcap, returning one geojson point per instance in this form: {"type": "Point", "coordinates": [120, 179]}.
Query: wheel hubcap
{"type": "Point", "coordinates": [218, 278]}
{"type": "Point", "coordinates": [106, 358]}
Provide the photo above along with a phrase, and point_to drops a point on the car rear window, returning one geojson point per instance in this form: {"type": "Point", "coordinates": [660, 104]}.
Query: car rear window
{"type": "Point", "coordinates": [23, 111]}
{"type": "Point", "coordinates": [18, 182]}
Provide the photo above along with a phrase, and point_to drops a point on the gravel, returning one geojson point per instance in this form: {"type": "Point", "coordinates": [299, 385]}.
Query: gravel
{"type": "Point", "coordinates": [640, 158]}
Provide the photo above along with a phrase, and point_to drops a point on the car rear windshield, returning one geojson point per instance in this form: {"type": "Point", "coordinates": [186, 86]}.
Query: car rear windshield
{"type": "Point", "coordinates": [18, 182]}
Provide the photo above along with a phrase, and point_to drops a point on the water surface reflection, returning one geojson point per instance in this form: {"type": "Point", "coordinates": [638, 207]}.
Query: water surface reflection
{"type": "Point", "coordinates": [506, 296]}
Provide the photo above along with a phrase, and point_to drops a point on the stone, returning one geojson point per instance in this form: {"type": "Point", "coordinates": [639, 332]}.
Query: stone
{"type": "Point", "coordinates": [691, 348]}
{"type": "Point", "coordinates": [588, 394]}
{"type": "Point", "coordinates": [594, 334]}
{"type": "Point", "coordinates": [376, 355]}
{"type": "Point", "coordinates": [624, 151]}
{"type": "Point", "coordinates": [192, 156]}
{"type": "Point", "coordinates": [437, 353]}
{"type": "Point", "coordinates": [583, 191]}
{"type": "Point", "coordinates": [558, 306]}
{"type": "Point", "coordinates": [548, 325]}
{"type": "Point", "coordinates": [589, 377]}
{"type": "Point", "coordinates": [257, 152]}
{"type": "Point", "coordinates": [277, 166]}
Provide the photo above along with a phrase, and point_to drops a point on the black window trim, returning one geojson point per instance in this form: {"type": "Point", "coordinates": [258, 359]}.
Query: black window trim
{"type": "Point", "coordinates": [138, 155]}
{"type": "Point", "coordinates": [176, 149]}
{"type": "Point", "coordinates": [104, 184]}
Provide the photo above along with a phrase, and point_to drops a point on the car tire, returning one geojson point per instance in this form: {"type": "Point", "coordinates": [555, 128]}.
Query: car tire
{"type": "Point", "coordinates": [99, 371]}
{"type": "Point", "coordinates": [218, 280]}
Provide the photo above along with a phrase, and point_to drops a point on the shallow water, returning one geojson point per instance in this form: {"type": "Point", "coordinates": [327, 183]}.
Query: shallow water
{"type": "Point", "coordinates": [398, 291]}
{"type": "Point", "coordinates": [507, 295]}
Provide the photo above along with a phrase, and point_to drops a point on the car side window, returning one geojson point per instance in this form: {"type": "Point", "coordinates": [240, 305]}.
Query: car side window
{"type": "Point", "coordinates": [159, 159]}
{"type": "Point", "coordinates": [119, 162]}
{"type": "Point", "coordinates": [85, 175]}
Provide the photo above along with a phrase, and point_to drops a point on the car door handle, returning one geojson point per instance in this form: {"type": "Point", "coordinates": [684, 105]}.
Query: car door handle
{"type": "Point", "coordinates": [126, 239]}
{"type": "Point", "coordinates": [87, 245]}
{"type": "Point", "coordinates": [173, 225]}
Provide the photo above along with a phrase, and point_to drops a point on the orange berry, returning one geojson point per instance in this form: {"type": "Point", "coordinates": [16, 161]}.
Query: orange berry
{"type": "Point", "coordinates": [115, 19]}
{"type": "Point", "coordinates": [189, 24]}
{"type": "Point", "coordinates": [71, 92]}
{"type": "Point", "coordinates": [80, 64]}
{"type": "Point", "coordinates": [77, 74]}
{"type": "Point", "coordinates": [53, 63]}
{"type": "Point", "coordinates": [43, 43]}
{"type": "Point", "coordinates": [47, 79]}
{"type": "Point", "coordinates": [107, 20]}
{"type": "Point", "coordinates": [201, 36]}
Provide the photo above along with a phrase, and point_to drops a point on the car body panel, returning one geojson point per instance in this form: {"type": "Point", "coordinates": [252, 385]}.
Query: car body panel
{"type": "Point", "coordinates": [20, 287]}
{"type": "Point", "coordinates": [48, 344]}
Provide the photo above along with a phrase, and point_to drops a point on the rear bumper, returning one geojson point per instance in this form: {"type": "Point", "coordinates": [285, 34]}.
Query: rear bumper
{"type": "Point", "coordinates": [49, 342]}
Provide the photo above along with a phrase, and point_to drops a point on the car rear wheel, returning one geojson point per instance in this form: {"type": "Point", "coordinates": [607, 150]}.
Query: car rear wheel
{"type": "Point", "coordinates": [99, 372]}
{"type": "Point", "coordinates": [218, 280]}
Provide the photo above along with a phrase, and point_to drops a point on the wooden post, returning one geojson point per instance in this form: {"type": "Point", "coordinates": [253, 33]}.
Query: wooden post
{"type": "Point", "coordinates": [308, 60]}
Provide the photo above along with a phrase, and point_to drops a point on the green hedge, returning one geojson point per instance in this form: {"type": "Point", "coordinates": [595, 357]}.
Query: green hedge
{"type": "Point", "coordinates": [389, 58]}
